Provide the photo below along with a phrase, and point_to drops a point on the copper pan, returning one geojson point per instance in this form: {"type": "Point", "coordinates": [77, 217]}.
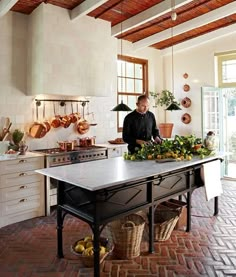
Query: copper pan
{"type": "Point", "coordinates": [83, 125]}
{"type": "Point", "coordinates": [73, 115]}
{"type": "Point", "coordinates": [66, 119]}
{"type": "Point", "coordinates": [56, 121]}
{"type": "Point", "coordinates": [46, 122]}
{"type": "Point", "coordinates": [37, 129]}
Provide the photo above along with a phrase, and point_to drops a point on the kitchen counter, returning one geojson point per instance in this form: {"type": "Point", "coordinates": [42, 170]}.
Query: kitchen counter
{"type": "Point", "coordinates": [99, 192]}
{"type": "Point", "coordinates": [27, 155]}
{"type": "Point", "coordinates": [102, 174]}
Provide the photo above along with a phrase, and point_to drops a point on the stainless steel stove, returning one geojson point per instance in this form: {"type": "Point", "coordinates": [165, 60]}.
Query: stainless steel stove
{"type": "Point", "coordinates": [57, 157]}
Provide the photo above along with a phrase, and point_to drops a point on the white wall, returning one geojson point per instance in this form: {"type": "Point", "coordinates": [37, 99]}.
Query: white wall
{"type": "Point", "coordinates": [13, 77]}
{"type": "Point", "coordinates": [199, 63]}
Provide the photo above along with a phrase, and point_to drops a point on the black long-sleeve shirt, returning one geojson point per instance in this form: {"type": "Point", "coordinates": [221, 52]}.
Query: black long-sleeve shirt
{"type": "Point", "coordinates": [139, 126]}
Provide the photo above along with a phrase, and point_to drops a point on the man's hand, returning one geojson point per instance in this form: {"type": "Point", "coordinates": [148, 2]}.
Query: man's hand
{"type": "Point", "coordinates": [141, 142]}
{"type": "Point", "coordinates": [158, 140]}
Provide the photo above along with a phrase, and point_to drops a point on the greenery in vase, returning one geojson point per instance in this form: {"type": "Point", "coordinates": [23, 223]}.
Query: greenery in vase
{"type": "Point", "coordinates": [165, 98]}
{"type": "Point", "coordinates": [17, 137]}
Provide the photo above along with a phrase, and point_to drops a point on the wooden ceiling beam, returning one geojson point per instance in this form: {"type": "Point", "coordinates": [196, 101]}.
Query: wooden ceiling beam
{"type": "Point", "coordinates": [187, 26]}
{"type": "Point", "coordinates": [6, 5]}
{"type": "Point", "coordinates": [147, 15]}
{"type": "Point", "coordinates": [85, 8]}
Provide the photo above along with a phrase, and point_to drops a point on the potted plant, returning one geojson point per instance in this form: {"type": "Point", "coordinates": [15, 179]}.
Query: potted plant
{"type": "Point", "coordinates": [167, 99]}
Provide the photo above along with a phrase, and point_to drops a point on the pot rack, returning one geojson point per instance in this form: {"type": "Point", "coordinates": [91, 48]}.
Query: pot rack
{"type": "Point", "coordinates": [62, 102]}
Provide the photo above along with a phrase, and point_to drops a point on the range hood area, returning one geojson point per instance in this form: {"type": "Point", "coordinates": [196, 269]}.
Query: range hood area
{"type": "Point", "coordinates": [69, 57]}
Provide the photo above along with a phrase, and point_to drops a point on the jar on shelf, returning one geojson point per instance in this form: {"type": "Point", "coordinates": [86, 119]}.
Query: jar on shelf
{"type": "Point", "coordinates": [211, 141]}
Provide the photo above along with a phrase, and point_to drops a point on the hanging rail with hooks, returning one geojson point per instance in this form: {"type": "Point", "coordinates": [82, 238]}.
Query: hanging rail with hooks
{"type": "Point", "coordinates": [62, 102]}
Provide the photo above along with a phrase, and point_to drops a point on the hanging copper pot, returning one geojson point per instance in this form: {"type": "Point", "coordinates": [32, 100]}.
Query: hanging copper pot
{"type": "Point", "coordinates": [56, 121]}
{"type": "Point", "coordinates": [66, 119]}
{"type": "Point", "coordinates": [46, 122]}
{"type": "Point", "coordinates": [73, 115]}
{"type": "Point", "coordinates": [83, 125]}
{"type": "Point", "coordinates": [38, 129]}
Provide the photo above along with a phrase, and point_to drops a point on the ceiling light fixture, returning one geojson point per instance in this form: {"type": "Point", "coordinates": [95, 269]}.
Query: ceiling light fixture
{"type": "Point", "coordinates": [121, 107]}
{"type": "Point", "coordinates": [174, 105]}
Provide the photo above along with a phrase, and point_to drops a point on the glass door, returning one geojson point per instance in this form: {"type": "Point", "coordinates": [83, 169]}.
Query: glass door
{"type": "Point", "coordinates": [219, 116]}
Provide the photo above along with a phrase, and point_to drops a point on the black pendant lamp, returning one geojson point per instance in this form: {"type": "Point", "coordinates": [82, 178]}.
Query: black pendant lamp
{"type": "Point", "coordinates": [121, 107]}
{"type": "Point", "coordinates": [174, 106]}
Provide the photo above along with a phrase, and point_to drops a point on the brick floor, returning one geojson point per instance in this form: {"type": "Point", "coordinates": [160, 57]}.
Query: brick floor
{"type": "Point", "coordinates": [28, 249]}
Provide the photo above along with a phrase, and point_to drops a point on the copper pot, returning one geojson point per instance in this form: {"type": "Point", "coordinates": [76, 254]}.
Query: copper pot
{"type": "Point", "coordinates": [37, 129]}
{"type": "Point", "coordinates": [83, 127]}
{"type": "Point", "coordinates": [66, 145]}
{"type": "Point", "coordinates": [65, 121]}
{"type": "Point", "coordinates": [88, 141]}
{"type": "Point", "coordinates": [56, 121]}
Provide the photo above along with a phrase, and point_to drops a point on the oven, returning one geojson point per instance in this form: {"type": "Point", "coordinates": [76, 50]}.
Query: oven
{"type": "Point", "coordinates": [57, 157]}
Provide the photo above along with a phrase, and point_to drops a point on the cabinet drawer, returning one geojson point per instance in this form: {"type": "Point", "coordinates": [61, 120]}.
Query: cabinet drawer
{"type": "Point", "coordinates": [20, 205]}
{"type": "Point", "coordinates": [21, 165]}
{"type": "Point", "coordinates": [20, 178]}
{"type": "Point", "coordinates": [21, 191]}
{"type": "Point", "coordinates": [10, 219]}
{"type": "Point", "coordinates": [114, 152]}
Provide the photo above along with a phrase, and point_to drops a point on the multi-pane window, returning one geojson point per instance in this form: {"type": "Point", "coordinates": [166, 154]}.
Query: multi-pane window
{"type": "Point", "coordinates": [226, 69]}
{"type": "Point", "coordinates": [132, 81]}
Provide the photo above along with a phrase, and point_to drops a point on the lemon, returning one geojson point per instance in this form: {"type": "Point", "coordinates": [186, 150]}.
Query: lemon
{"type": "Point", "coordinates": [88, 238]}
{"type": "Point", "coordinates": [102, 250]}
{"type": "Point", "coordinates": [81, 242]}
{"type": "Point", "coordinates": [79, 248]}
{"type": "Point", "coordinates": [89, 244]}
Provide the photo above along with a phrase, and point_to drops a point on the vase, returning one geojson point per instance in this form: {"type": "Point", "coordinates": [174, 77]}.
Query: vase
{"type": "Point", "coordinates": [211, 141]}
{"type": "Point", "coordinates": [166, 129]}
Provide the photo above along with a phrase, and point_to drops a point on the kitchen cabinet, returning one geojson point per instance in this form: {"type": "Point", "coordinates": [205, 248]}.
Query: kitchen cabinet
{"type": "Point", "coordinates": [114, 150]}
{"type": "Point", "coordinates": [21, 189]}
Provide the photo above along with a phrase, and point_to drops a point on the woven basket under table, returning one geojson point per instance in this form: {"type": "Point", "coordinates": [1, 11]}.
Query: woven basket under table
{"type": "Point", "coordinates": [127, 236]}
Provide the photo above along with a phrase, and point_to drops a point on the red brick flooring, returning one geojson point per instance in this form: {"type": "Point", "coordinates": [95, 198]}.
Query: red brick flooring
{"type": "Point", "coordinates": [28, 249]}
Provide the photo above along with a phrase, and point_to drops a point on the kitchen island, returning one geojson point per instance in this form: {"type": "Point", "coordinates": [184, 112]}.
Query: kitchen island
{"type": "Point", "coordinates": [99, 192]}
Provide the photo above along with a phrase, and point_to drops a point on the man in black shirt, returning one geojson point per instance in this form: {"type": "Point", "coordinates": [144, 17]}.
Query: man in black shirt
{"type": "Point", "coordinates": [140, 126]}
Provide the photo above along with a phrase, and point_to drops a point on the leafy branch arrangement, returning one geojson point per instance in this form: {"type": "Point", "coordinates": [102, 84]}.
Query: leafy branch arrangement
{"type": "Point", "coordinates": [180, 148]}
{"type": "Point", "coordinates": [165, 98]}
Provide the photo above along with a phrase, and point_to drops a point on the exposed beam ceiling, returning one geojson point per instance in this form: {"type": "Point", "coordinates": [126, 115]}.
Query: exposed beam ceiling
{"type": "Point", "coordinates": [146, 23]}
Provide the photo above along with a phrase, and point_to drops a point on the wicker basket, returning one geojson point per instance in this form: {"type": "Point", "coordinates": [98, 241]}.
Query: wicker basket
{"type": "Point", "coordinates": [127, 235]}
{"type": "Point", "coordinates": [88, 261]}
{"type": "Point", "coordinates": [164, 222]}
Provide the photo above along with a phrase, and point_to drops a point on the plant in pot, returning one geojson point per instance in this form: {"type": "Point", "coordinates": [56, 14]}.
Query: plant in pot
{"type": "Point", "coordinates": [17, 137]}
{"type": "Point", "coordinates": [167, 99]}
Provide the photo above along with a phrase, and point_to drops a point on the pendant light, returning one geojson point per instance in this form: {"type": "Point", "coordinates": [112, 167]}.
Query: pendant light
{"type": "Point", "coordinates": [121, 107]}
{"type": "Point", "coordinates": [174, 106]}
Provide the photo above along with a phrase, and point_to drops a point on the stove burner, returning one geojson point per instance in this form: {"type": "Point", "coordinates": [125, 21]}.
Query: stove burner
{"type": "Point", "coordinates": [59, 150]}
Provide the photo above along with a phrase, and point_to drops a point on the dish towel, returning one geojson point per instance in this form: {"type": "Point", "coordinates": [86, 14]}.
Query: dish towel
{"type": "Point", "coordinates": [210, 174]}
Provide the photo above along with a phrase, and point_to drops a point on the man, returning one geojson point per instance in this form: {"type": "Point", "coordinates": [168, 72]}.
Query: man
{"type": "Point", "coordinates": [140, 126]}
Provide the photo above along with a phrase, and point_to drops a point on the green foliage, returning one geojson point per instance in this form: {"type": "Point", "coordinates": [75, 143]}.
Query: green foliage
{"type": "Point", "coordinates": [165, 98]}
{"type": "Point", "coordinates": [17, 136]}
{"type": "Point", "coordinates": [180, 148]}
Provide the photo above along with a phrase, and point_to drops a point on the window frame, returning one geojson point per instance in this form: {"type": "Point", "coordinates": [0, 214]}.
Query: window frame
{"type": "Point", "coordinates": [222, 57]}
{"type": "Point", "coordinates": [144, 63]}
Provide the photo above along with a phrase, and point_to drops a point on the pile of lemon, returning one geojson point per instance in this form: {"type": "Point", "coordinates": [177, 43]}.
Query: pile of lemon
{"type": "Point", "coordinates": [85, 247]}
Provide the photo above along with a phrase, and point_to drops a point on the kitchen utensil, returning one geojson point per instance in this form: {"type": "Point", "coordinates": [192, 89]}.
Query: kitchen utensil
{"type": "Point", "coordinates": [88, 141]}
{"type": "Point", "coordinates": [56, 122]}
{"type": "Point", "coordinates": [38, 129]}
{"type": "Point", "coordinates": [46, 122]}
{"type": "Point", "coordinates": [6, 132]}
{"type": "Point", "coordinates": [66, 145]}
{"type": "Point", "coordinates": [83, 125]}
{"type": "Point", "coordinates": [73, 115]}
{"type": "Point", "coordinates": [66, 119]}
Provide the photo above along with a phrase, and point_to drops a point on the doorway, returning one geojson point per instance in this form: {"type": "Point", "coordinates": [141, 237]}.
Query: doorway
{"type": "Point", "coordinates": [219, 116]}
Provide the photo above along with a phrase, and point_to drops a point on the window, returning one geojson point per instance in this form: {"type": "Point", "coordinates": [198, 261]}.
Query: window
{"type": "Point", "coordinates": [226, 69]}
{"type": "Point", "coordinates": [132, 81]}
